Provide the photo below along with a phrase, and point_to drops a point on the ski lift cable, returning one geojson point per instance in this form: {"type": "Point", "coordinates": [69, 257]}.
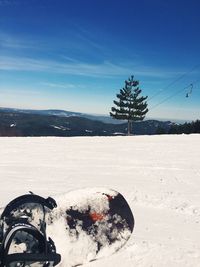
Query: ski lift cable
{"type": "Point", "coordinates": [176, 93]}
{"type": "Point", "coordinates": [173, 82]}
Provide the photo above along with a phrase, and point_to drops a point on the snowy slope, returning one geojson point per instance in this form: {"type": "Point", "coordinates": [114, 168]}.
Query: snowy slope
{"type": "Point", "coordinates": [158, 175]}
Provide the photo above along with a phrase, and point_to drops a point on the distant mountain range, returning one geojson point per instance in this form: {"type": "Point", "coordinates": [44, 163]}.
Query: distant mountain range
{"type": "Point", "coordinates": [20, 122]}
{"type": "Point", "coordinates": [63, 113]}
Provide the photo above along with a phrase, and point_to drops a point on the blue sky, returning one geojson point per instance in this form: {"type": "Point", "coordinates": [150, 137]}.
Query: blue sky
{"type": "Point", "coordinates": [75, 55]}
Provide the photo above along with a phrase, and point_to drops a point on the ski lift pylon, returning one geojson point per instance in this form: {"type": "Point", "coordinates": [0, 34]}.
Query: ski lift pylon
{"type": "Point", "coordinates": [190, 90]}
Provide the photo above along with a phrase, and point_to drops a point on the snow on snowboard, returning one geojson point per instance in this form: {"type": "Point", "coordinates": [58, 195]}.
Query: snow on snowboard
{"type": "Point", "coordinates": [83, 225]}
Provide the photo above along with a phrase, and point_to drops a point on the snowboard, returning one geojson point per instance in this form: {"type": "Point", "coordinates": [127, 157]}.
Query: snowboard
{"type": "Point", "coordinates": [86, 225]}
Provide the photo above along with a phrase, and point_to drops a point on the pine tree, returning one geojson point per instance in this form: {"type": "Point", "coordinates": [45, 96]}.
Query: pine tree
{"type": "Point", "coordinates": [130, 105]}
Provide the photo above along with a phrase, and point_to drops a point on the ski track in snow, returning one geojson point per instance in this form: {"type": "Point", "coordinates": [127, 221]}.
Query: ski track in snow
{"type": "Point", "coordinates": [158, 175]}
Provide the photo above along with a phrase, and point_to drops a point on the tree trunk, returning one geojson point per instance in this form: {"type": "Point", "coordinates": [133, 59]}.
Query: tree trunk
{"type": "Point", "coordinates": [129, 128]}
{"type": "Point", "coordinates": [129, 132]}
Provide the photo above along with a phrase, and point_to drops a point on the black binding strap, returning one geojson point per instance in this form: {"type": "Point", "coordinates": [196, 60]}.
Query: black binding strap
{"type": "Point", "coordinates": [19, 257]}
{"type": "Point", "coordinates": [26, 227]}
{"type": "Point", "coordinates": [46, 250]}
{"type": "Point", "coordinates": [28, 198]}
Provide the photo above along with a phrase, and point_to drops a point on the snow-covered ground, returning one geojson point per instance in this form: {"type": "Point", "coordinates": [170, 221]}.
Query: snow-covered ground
{"type": "Point", "coordinates": [158, 175]}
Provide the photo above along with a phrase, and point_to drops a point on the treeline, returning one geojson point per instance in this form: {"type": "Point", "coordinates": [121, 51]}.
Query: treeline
{"type": "Point", "coordinates": [186, 128]}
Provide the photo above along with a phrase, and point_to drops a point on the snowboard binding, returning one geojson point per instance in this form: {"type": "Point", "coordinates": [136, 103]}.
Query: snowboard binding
{"type": "Point", "coordinates": [23, 240]}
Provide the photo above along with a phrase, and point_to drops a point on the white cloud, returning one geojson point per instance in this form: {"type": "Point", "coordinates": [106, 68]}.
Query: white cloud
{"type": "Point", "coordinates": [14, 42]}
{"type": "Point", "coordinates": [8, 2]}
{"type": "Point", "coordinates": [58, 85]}
{"type": "Point", "coordinates": [105, 69]}
{"type": "Point", "coordinates": [10, 92]}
